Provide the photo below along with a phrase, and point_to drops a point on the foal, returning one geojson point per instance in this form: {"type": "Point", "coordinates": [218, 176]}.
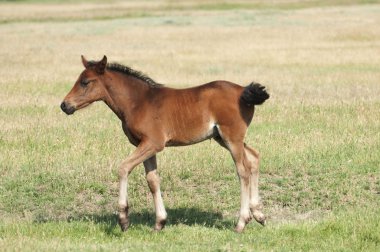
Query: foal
{"type": "Point", "coordinates": [154, 116]}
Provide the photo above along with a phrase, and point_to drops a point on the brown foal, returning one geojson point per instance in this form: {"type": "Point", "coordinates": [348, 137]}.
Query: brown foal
{"type": "Point", "coordinates": [154, 116]}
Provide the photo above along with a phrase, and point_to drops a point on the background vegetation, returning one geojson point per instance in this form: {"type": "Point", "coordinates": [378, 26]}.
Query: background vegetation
{"type": "Point", "coordinates": [319, 134]}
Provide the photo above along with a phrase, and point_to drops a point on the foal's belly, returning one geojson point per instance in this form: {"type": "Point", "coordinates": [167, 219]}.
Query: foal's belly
{"type": "Point", "coordinates": [192, 135]}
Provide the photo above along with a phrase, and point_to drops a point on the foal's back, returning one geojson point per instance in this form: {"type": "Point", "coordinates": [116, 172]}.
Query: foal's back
{"type": "Point", "coordinates": [191, 115]}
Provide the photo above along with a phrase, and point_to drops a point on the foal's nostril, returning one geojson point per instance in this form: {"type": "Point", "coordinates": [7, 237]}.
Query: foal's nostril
{"type": "Point", "coordinates": [63, 106]}
{"type": "Point", "coordinates": [67, 108]}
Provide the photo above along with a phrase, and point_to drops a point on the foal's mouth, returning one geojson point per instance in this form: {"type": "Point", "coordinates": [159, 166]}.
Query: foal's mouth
{"type": "Point", "coordinates": [69, 109]}
{"type": "Point", "coordinates": [82, 106]}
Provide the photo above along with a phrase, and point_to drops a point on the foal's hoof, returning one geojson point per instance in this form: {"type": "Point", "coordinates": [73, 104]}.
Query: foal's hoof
{"type": "Point", "coordinates": [159, 225]}
{"type": "Point", "coordinates": [262, 222]}
{"type": "Point", "coordinates": [239, 229]}
{"type": "Point", "coordinates": [124, 224]}
{"type": "Point", "coordinates": [259, 217]}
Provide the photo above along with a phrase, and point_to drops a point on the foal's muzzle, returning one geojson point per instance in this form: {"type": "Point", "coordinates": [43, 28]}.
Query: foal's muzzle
{"type": "Point", "coordinates": [67, 108]}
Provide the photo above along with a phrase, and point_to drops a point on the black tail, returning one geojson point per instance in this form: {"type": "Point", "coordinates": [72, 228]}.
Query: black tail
{"type": "Point", "coordinates": [254, 94]}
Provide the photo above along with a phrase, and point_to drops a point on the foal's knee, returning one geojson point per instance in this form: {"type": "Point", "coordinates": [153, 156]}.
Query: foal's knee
{"type": "Point", "coordinates": [124, 170]}
{"type": "Point", "coordinates": [153, 181]}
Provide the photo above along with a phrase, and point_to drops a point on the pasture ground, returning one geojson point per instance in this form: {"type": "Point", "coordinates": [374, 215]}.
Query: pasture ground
{"type": "Point", "coordinates": [318, 134]}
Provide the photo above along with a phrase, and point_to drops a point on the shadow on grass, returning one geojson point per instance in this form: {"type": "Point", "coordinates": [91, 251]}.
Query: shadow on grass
{"type": "Point", "coordinates": [184, 216]}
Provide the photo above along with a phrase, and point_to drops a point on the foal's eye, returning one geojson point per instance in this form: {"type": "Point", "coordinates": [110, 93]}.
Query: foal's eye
{"type": "Point", "coordinates": [84, 83]}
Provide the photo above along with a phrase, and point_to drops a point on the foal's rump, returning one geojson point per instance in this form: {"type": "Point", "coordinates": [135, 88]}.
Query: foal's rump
{"type": "Point", "coordinates": [233, 104]}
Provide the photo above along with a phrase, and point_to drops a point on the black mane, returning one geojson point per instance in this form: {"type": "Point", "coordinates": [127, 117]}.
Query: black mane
{"type": "Point", "coordinates": [137, 74]}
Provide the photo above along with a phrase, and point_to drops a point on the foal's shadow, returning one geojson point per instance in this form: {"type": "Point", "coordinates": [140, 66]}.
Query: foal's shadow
{"type": "Point", "coordinates": [184, 216]}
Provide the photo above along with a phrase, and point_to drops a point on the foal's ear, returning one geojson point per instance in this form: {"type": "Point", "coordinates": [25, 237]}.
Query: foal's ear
{"type": "Point", "coordinates": [101, 65]}
{"type": "Point", "coordinates": [84, 61]}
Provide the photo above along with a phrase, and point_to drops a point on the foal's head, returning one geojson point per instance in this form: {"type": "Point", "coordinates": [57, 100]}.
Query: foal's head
{"type": "Point", "coordinates": [88, 88]}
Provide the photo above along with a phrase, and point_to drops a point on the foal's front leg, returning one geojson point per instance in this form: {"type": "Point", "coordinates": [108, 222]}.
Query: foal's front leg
{"type": "Point", "coordinates": [144, 151]}
{"type": "Point", "coordinates": [154, 185]}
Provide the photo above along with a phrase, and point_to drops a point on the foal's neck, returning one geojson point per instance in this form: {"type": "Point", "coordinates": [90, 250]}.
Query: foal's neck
{"type": "Point", "coordinates": [124, 94]}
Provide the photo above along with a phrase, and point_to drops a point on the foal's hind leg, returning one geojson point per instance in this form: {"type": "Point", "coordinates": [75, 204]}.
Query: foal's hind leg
{"type": "Point", "coordinates": [236, 149]}
{"type": "Point", "coordinates": [252, 160]}
{"type": "Point", "coordinates": [154, 186]}
{"type": "Point", "coordinates": [237, 152]}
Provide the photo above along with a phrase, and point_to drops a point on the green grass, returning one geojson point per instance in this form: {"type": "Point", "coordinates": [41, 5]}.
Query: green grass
{"type": "Point", "coordinates": [318, 134]}
{"type": "Point", "coordinates": [349, 232]}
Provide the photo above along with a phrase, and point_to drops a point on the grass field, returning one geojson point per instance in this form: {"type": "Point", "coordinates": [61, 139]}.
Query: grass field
{"type": "Point", "coordinates": [318, 134]}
